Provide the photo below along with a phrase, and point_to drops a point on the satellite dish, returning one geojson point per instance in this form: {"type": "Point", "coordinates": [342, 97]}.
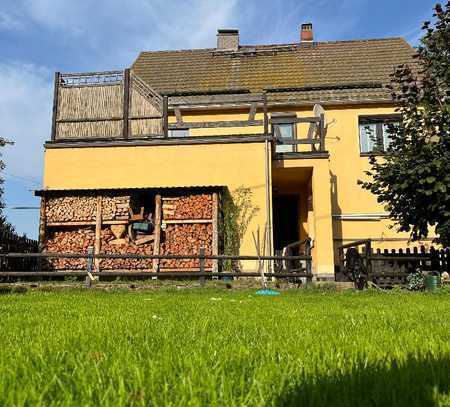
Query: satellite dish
{"type": "Point", "coordinates": [318, 110]}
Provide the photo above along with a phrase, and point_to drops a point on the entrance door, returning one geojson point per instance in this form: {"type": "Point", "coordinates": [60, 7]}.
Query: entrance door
{"type": "Point", "coordinates": [285, 220]}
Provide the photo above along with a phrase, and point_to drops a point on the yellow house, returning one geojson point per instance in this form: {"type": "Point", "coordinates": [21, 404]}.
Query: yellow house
{"type": "Point", "coordinates": [292, 122]}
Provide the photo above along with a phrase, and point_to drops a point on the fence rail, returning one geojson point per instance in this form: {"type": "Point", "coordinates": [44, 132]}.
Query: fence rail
{"type": "Point", "coordinates": [37, 269]}
{"type": "Point", "coordinates": [10, 242]}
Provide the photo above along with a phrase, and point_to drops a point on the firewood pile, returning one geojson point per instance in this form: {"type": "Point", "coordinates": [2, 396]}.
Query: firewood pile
{"type": "Point", "coordinates": [115, 208]}
{"type": "Point", "coordinates": [112, 245]}
{"type": "Point", "coordinates": [188, 207]}
{"type": "Point", "coordinates": [69, 241]}
{"type": "Point", "coordinates": [71, 208]}
{"type": "Point", "coordinates": [84, 208]}
{"type": "Point", "coordinates": [186, 239]}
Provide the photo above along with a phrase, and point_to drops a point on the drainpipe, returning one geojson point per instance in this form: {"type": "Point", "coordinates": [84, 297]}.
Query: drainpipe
{"type": "Point", "coordinates": [268, 205]}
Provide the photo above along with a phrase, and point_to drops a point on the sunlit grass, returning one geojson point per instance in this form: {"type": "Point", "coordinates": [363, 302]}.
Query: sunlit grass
{"type": "Point", "coordinates": [218, 347]}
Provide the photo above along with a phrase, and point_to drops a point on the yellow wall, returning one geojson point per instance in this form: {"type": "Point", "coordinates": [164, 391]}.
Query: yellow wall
{"type": "Point", "coordinates": [333, 181]}
{"type": "Point", "coordinates": [230, 165]}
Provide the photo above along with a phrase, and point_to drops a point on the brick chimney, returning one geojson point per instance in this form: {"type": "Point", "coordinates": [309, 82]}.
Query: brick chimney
{"type": "Point", "coordinates": [228, 40]}
{"type": "Point", "coordinates": [306, 33]}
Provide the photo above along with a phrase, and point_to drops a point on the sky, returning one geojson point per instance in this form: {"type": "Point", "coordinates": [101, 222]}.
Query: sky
{"type": "Point", "coordinates": [39, 37]}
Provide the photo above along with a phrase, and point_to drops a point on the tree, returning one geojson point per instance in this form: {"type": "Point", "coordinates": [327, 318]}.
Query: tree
{"type": "Point", "coordinates": [412, 178]}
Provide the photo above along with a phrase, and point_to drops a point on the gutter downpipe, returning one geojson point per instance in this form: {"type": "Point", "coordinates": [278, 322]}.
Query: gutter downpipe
{"type": "Point", "coordinates": [269, 245]}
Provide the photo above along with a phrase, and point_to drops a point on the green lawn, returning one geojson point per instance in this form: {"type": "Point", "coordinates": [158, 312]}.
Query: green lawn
{"type": "Point", "coordinates": [222, 347]}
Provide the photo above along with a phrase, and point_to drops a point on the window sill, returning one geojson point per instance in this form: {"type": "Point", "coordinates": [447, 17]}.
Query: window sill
{"type": "Point", "coordinates": [378, 154]}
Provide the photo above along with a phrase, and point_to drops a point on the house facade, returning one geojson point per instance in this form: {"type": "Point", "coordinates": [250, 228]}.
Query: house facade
{"type": "Point", "coordinates": [292, 123]}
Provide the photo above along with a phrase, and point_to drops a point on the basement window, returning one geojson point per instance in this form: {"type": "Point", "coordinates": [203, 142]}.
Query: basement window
{"type": "Point", "coordinates": [178, 133]}
{"type": "Point", "coordinates": [374, 132]}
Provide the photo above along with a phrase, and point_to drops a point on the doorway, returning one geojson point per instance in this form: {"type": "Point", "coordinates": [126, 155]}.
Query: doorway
{"type": "Point", "coordinates": [285, 220]}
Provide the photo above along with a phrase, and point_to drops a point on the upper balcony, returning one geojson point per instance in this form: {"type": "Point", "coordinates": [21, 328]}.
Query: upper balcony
{"type": "Point", "coordinates": [118, 107]}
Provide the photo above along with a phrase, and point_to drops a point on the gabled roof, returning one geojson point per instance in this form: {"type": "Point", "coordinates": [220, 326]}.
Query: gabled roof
{"type": "Point", "coordinates": [346, 68]}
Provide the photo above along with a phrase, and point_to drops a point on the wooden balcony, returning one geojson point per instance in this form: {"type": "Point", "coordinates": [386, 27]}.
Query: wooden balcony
{"type": "Point", "coordinates": [118, 106]}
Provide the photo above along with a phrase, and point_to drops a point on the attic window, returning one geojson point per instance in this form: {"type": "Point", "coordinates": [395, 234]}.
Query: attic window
{"type": "Point", "coordinates": [285, 132]}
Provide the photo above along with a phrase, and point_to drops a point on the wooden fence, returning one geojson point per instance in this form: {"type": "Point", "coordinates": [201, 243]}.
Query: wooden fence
{"type": "Point", "coordinates": [10, 242]}
{"type": "Point", "coordinates": [201, 272]}
{"type": "Point", "coordinates": [388, 267]}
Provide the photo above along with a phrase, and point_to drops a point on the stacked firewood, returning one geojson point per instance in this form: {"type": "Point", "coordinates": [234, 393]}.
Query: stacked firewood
{"type": "Point", "coordinates": [84, 208]}
{"type": "Point", "coordinates": [69, 241]}
{"type": "Point", "coordinates": [186, 239]}
{"type": "Point", "coordinates": [71, 208]}
{"type": "Point", "coordinates": [188, 207]}
{"type": "Point", "coordinates": [115, 208]}
{"type": "Point", "coordinates": [112, 245]}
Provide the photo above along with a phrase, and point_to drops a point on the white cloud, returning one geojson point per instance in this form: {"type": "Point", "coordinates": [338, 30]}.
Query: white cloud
{"type": "Point", "coordinates": [25, 116]}
{"type": "Point", "coordinates": [10, 23]}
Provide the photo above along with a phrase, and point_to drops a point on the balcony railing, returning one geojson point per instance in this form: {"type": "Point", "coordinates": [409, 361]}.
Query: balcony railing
{"type": "Point", "coordinates": [119, 106]}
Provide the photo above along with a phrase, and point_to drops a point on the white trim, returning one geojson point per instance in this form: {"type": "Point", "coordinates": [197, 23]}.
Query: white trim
{"type": "Point", "coordinates": [361, 216]}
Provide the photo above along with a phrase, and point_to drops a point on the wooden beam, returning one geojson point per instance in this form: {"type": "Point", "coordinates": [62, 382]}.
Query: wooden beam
{"type": "Point", "coordinates": [98, 231]}
{"type": "Point", "coordinates": [215, 230]}
{"type": "Point", "coordinates": [157, 232]}
{"type": "Point", "coordinates": [55, 105]}
{"type": "Point", "coordinates": [212, 125]}
{"type": "Point", "coordinates": [166, 116]}
{"type": "Point", "coordinates": [126, 102]}
{"type": "Point", "coordinates": [266, 116]}
{"type": "Point", "coordinates": [87, 223]}
{"type": "Point", "coordinates": [180, 221]}
{"type": "Point", "coordinates": [252, 113]}
{"type": "Point", "coordinates": [90, 119]}
{"type": "Point", "coordinates": [290, 120]}
{"type": "Point", "coordinates": [322, 132]}
{"type": "Point", "coordinates": [178, 115]}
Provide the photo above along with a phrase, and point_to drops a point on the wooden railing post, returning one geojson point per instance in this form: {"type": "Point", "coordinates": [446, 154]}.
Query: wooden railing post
{"type": "Point", "coordinates": [266, 116]}
{"type": "Point", "coordinates": [126, 103]}
{"type": "Point", "coordinates": [166, 116]}
{"type": "Point", "coordinates": [202, 264]}
{"type": "Point", "coordinates": [308, 262]}
{"type": "Point", "coordinates": [55, 105]}
{"type": "Point", "coordinates": [322, 132]}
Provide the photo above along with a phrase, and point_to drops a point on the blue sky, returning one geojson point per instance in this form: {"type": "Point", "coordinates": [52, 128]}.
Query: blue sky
{"type": "Point", "coordinates": [39, 37]}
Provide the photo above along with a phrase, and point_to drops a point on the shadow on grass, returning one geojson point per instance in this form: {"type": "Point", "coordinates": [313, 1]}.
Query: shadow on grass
{"type": "Point", "coordinates": [413, 382]}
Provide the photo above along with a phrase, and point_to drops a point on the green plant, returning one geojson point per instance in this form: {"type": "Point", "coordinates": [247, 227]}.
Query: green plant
{"type": "Point", "coordinates": [416, 281]}
{"type": "Point", "coordinates": [238, 211]}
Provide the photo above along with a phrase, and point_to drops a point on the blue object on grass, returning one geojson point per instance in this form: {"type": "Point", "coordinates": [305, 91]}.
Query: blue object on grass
{"type": "Point", "coordinates": [267, 292]}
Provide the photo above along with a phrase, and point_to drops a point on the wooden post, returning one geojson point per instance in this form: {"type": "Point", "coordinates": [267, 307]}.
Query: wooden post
{"type": "Point", "coordinates": [55, 105]}
{"type": "Point", "coordinates": [126, 103]}
{"type": "Point", "coordinates": [266, 118]}
{"type": "Point", "coordinates": [202, 264]}
{"type": "Point", "coordinates": [89, 262]}
{"type": "Point", "coordinates": [166, 116]}
{"type": "Point", "coordinates": [157, 240]}
{"type": "Point", "coordinates": [42, 224]}
{"type": "Point", "coordinates": [322, 132]}
{"type": "Point", "coordinates": [215, 230]}
{"type": "Point", "coordinates": [42, 230]}
{"type": "Point", "coordinates": [308, 262]}
{"type": "Point", "coordinates": [98, 231]}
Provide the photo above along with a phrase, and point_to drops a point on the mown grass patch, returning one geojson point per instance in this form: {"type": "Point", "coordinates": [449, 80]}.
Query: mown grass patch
{"type": "Point", "coordinates": [221, 347]}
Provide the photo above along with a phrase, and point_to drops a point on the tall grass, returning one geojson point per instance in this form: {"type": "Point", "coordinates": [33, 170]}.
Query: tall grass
{"type": "Point", "coordinates": [224, 348]}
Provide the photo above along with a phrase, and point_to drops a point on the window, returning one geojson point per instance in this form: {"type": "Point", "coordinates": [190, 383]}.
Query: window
{"type": "Point", "coordinates": [374, 132]}
{"type": "Point", "coordinates": [285, 132]}
{"type": "Point", "coordinates": [177, 133]}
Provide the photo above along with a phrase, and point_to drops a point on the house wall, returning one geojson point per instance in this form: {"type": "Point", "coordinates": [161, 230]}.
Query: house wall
{"type": "Point", "coordinates": [333, 181]}
{"type": "Point", "coordinates": [230, 165]}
